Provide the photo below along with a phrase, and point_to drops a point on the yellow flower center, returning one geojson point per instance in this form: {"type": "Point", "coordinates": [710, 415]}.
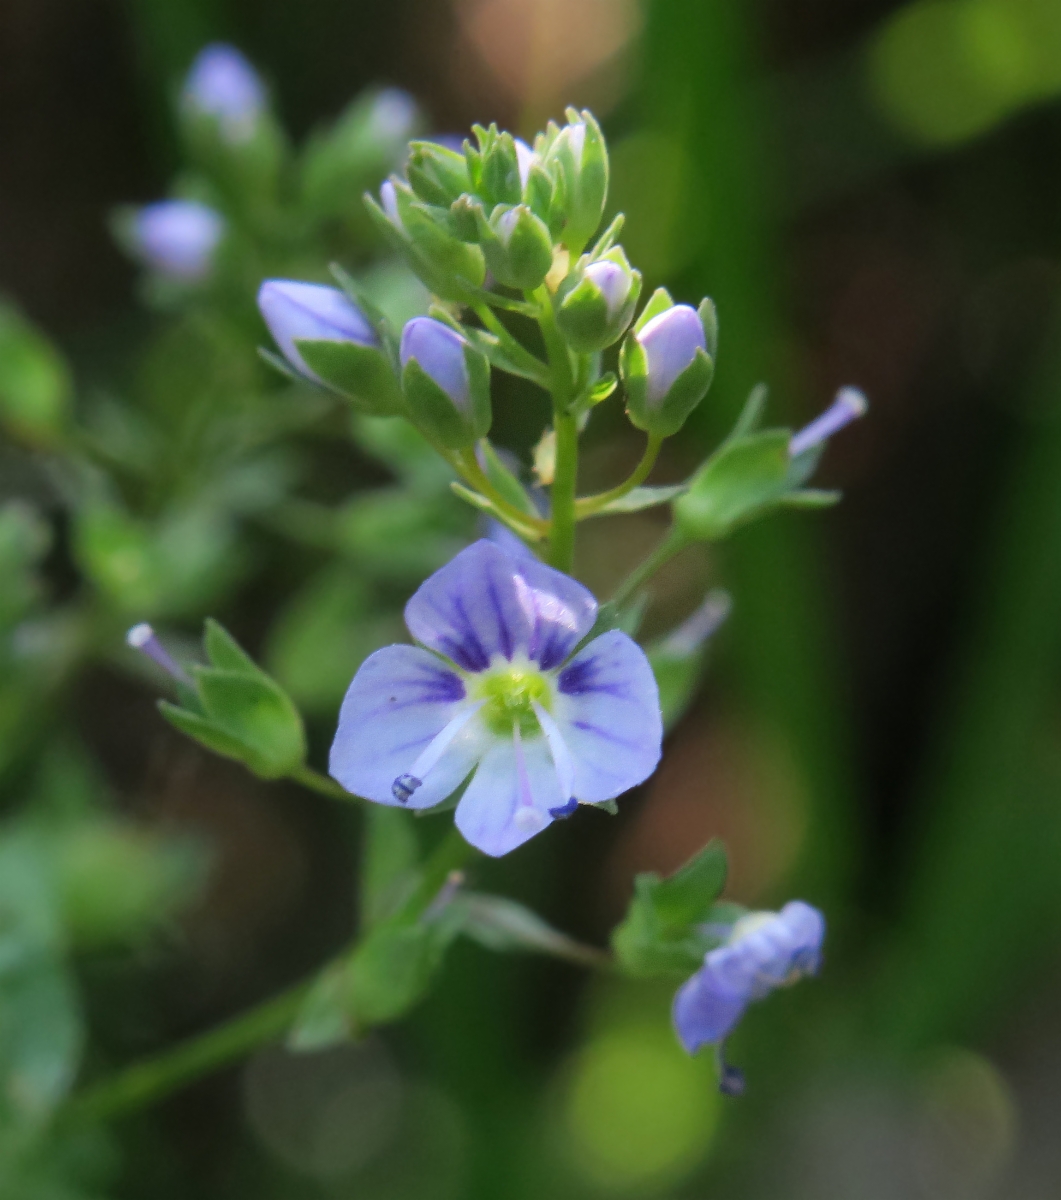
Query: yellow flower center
{"type": "Point", "coordinates": [510, 693]}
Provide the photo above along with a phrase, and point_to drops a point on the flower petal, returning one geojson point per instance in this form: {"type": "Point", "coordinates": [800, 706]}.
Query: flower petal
{"type": "Point", "coordinates": [607, 708]}
{"type": "Point", "coordinates": [401, 698]}
{"type": "Point", "coordinates": [705, 1011]}
{"type": "Point", "coordinates": [486, 602]}
{"type": "Point", "coordinates": [494, 814]}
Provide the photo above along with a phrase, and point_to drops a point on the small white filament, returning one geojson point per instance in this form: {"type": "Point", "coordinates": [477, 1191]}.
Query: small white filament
{"type": "Point", "coordinates": [565, 768]}
{"type": "Point", "coordinates": [442, 741]}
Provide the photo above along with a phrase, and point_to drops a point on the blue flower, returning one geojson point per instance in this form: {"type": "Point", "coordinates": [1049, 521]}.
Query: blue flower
{"type": "Point", "coordinates": [222, 84]}
{"type": "Point", "coordinates": [496, 693]}
{"type": "Point", "coordinates": [296, 311]}
{"type": "Point", "coordinates": [177, 238]}
{"type": "Point", "coordinates": [764, 950]}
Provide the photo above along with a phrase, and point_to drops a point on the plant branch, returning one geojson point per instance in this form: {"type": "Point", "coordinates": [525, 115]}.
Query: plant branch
{"type": "Point", "coordinates": [589, 506]}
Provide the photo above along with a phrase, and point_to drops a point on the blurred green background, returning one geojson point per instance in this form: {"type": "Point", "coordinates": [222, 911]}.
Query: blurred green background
{"type": "Point", "coordinates": [871, 191]}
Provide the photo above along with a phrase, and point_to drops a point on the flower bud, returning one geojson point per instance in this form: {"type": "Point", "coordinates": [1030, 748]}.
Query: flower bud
{"type": "Point", "coordinates": [517, 247]}
{"type": "Point", "coordinates": [222, 85]}
{"type": "Point", "coordinates": [596, 302]}
{"type": "Point", "coordinates": [437, 174]}
{"type": "Point", "coordinates": [446, 383]}
{"type": "Point", "coordinates": [580, 156]}
{"type": "Point", "coordinates": [177, 238]}
{"type": "Point", "coordinates": [496, 168]}
{"type": "Point", "coordinates": [423, 235]}
{"type": "Point", "coordinates": [665, 365]}
{"type": "Point", "coordinates": [327, 339]}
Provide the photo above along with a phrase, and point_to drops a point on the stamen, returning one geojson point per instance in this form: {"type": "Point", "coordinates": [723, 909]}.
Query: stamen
{"type": "Point", "coordinates": [565, 768]}
{"type": "Point", "coordinates": [404, 786]}
{"type": "Point", "coordinates": [143, 638]}
{"type": "Point", "coordinates": [730, 1079]}
{"type": "Point", "coordinates": [527, 818]}
{"type": "Point", "coordinates": [849, 405]}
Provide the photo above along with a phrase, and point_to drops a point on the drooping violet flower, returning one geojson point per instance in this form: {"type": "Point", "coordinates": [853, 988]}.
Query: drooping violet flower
{"type": "Point", "coordinates": [222, 84]}
{"type": "Point", "coordinates": [177, 238]}
{"type": "Point", "coordinates": [849, 405]}
{"type": "Point", "coordinates": [494, 692]}
{"type": "Point", "coordinates": [764, 950]}
{"type": "Point", "coordinates": [296, 311]}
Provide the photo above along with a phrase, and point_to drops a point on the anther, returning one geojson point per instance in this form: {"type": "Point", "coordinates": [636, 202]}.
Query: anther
{"type": "Point", "coordinates": [565, 810]}
{"type": "Point", "coordinates": [730, 1079]}
{"type": "Point", "coordinates": [404, 786]}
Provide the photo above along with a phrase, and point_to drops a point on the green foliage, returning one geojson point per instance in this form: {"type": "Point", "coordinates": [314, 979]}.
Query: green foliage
{"type": "Point", "coordinates": [659, 934]}
{"type": "Point", "coordinates": [241, 712]}
{"type": "Point", "coordinates": [35, 382]}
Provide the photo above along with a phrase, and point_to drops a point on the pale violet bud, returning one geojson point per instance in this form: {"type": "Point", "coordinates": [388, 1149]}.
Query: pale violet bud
{"type": "Point", "coordinates": [666, 367]}
{"type": "Point", "coordinates": [579, 153]}
{"type": "Point", "coordinates": [144, 639]}
{"type": "Point", "coordinates": [222, 84]}
{"type": "Point", "coordinates": [595, 303]}
{"type": "Point", "coordinates": [440, 352]}
{"type": "Point", "coordinates": [177, 238]}
{"type": "Point", "coordinates": [849, 405]}
{"type": "Point", "coordinates": [388, 197]}
{"type": "Point", "coordinates": [311, 312]}
{"type": "Point", "coordinates": [394, 115]}
{"type": "Point", "coordinates": [670, 342]}
{"type": "Point", "coordinates": [446, 382]}
{"type": "Point", "coordinates": [517, 247]}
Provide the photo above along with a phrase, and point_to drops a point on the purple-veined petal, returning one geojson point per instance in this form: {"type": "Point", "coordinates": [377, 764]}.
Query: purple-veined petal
{"type": "Point", "coordinates": [503, 806]}
{"type": "Point", "coordinates": [400, 700]}
{"type": "Point", "coordinates": [607, 708]}
{"type": "Point", "coordinates": [706, 1009]}
{"type": "Point", "coordinates": [486, 602]}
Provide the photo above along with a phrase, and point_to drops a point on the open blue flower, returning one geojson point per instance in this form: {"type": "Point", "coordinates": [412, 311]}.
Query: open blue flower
{"type": "Point", "coordinates": [764, 950]}
{"type": "Point", "coordinates": [495, 691]}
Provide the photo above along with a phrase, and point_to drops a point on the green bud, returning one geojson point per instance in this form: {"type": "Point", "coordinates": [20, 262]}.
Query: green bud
{"type": "Point", "coordinates": [578, 154]}
{"type": "Point", "coordinates": [437, 174]}
{"type": "Point", "coordinates": [446, 383]}
{"type": "Point", "coordinates": [665, 364]}
{"type": "Point", "coordinates": [426, 238]}
{"type": "Point", "coordinates": [596, 302]}
{"type": "Point", "coordinates": [494, 167]}
{"type": "Point", "coordinates": [517, 246]}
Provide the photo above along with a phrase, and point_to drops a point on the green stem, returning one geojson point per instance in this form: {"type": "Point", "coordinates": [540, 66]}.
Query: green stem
{"type": "Point", "coordinates": [589, 505]}
{"type": "Point", "coordinates": [663, 553]}
{"type": "Point", "coordinates": [515, 349]}
{"type": "Point", "coordinates": [316, 782]}
{"type": "Point", "coordinates": [468, 466]}
{"type": "Point", "coordinates": [564, 386]}
{"type": "Point", "coordinates": [151, 1080]}
{"type": "Point", "coordinates": [562, 540]}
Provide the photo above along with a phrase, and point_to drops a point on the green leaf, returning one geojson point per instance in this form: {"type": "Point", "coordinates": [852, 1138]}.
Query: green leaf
{"type": "Point", "coordinates": [364, 374]}
{"type": "Point", "coordinates": [393, 967]}
{"type": "Point", "coordinates": [658, 302]}
{"type": "Point", "coordinates": [660, 934]}
{"type": "Point", "coordinates": [224, 651]}
{"type": "Point", "coordinates": [388, 862]}
{"type": "Point", "coordinates": [505, 481]}
{"type": "Point", "coordinates": [257, 712]}
{"type": "Point", "coordinates": [643, 497]}
{"type": "Point", "coordinates": [502, 925]}
{"type": "Point", "coordinates": [203, 731]}
{"type": "Point", "coordinates": [751, 414]}
{"type": "Point", "coordinates": [35, 383]}
{"type": "Point", "coordinates": [323, 1019]}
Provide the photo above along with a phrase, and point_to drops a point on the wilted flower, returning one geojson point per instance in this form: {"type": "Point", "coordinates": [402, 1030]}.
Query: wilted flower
{"type": "Point", "coordinates": [495, 693]}
{"type": "Point", "coordinates": [849, 405]}
{"type": "Point", "coordinates": [222, 84]}
{"type": "Point", "coordinates": [296, 311]}
{"type": "Point", "coordinates": [764, 950]}
{"type": "Point", "coordinates": [177, 238]}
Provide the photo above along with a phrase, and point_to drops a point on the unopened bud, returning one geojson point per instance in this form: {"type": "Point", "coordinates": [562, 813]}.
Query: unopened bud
{"type": "Point", "coordinates": [579, 153]}
{"type": "Point", "coordinates": [446, 383]}
{"type": "Point", "coordinates": [666, 367]}
{"type": "Point", "coordinates": [596, 303]}
{"type": "Point", "coordinates": [222, 85]}
{"type": "Point", "coordinates": [517, 247]}
{"type": "Point", "coordinates": [177, 238]}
